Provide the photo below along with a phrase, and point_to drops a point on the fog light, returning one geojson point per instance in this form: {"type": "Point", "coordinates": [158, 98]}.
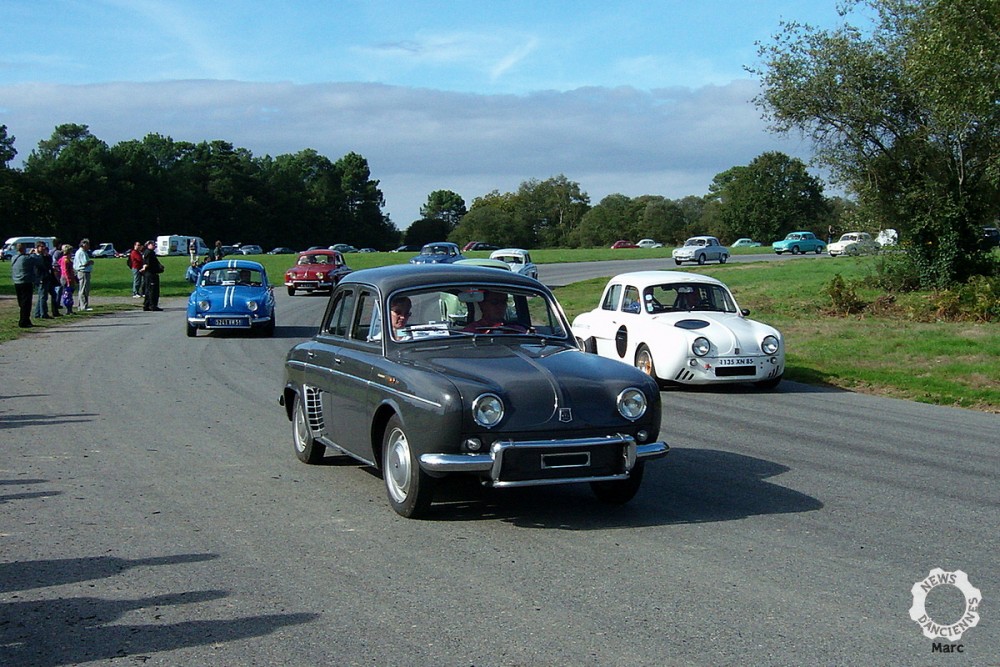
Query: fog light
{"type": "Point", "coordinates": [473, 444]}
{"type": "Point", "coordinates": [692, 362]}
{"type": "Point", "coordinates": [642, 435]}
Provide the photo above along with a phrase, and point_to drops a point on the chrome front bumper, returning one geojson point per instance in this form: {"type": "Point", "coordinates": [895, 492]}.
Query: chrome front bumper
{"type": "Point", "coordinates": [572, 455]}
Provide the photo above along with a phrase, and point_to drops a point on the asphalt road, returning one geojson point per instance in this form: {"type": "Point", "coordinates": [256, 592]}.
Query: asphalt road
{"type": "Point", "coordinates": [152, 512]}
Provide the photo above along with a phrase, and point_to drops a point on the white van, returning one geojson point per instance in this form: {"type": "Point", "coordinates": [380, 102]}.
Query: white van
{"type": "Point", "coordinates": [178, 245]}
{"type": "Point", "coordinates": [10, 245]}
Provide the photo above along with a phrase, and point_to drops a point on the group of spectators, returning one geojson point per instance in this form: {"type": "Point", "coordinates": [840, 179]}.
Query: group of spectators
{"type": "Point", "coordinates": [61, 277]}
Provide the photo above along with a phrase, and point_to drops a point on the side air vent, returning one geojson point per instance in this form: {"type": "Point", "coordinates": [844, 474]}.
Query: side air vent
{"type": "Point", "coordinates": [314, 407]}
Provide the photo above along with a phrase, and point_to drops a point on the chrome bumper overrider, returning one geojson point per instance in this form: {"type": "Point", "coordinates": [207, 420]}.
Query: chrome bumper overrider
{"type": "Point", "coordinates": [492, 462]}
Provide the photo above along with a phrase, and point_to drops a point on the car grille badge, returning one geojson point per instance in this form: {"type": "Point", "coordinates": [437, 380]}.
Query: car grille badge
{"type": "Point", "coordinates": [565, 415]}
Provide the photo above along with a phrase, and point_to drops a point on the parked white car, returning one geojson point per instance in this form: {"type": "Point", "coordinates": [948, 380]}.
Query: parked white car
{"type": "Point", "coordinates": [746, 243]}
{"type": "Point", "coordinates": [649, 243]}
{"type": "Point", "coordinates": [853, 243]}
{"type": "Point", "coordinates": [518, 260]}
{"type": "Point", "coordinates": [682, 328]}
{"type": "Point", "coordinates": [701, 249]}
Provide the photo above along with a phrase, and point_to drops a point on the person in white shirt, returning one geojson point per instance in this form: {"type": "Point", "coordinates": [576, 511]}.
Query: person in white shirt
{"type": "Point", "coordinates": [83, 264]}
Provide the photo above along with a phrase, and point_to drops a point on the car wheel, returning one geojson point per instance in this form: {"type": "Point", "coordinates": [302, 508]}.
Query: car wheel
{"type": "Point", "coordinates": [677, 262]}
{"type": "Point", "coordinates": [409, 488]}
{"type": "Point", "coordinates": [307, 449]}
{"type": "Point", "coordinates": [619, 492]}
{"type": "Point", "coordinates": [644, 361]}
{"type": "Point", "coordinates": [192, 330]}
{"type": "Point", "coordinates": [795, 250]}
{"type": "Point", "coordinates": [768, 384]}
{"type": "Point", "coordinates": [819, 249]}
{"type": "Point", "coordinates": [291, 291]}
{"type": "Point", "coordinates": [701, 260]}
{"type": "Point", "coordinates": [723, 259]}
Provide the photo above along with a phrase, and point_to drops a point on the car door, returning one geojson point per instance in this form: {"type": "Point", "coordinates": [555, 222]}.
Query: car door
{"type": "Point", "coordinates": [346, 411]}
{"type": "Point", "coordinates": [619, 309]}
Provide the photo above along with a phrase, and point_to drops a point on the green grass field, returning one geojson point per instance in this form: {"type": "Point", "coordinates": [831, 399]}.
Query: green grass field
{"type": "Point", "coordinates": [944, 363]}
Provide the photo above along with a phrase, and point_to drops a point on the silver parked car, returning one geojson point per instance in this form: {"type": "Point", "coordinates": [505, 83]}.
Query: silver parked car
{"type": "Point", "coordinates": [701, 249]}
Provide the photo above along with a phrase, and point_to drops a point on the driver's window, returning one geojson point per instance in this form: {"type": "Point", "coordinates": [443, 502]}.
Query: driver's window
{"type": "Point", "coordinates": [630, 304]}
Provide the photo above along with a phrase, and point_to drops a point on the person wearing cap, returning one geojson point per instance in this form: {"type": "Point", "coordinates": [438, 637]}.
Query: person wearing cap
{"type": "Point", "coordinates": [83, 264]}
{"type": "Point", "coordinates": [151, 269]}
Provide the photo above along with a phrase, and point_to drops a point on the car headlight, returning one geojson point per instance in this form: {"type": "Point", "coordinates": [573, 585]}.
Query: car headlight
{"type": "Point", "coordinates": [487, 410]}
{"type": "Point", "coordinates": [252, 306]}
{"type": "Point", "coordinates": [203, 305]}
{"type": "Point", "coordinates": [632, 404]}
{"type": "Point", "coordinates": [769, 345]}
{"type": "Point", "coordinates": [701, 346]}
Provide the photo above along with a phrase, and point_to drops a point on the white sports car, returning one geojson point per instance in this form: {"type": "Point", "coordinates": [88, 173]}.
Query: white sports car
{"type": "Point", "coordinates": [681, 328]}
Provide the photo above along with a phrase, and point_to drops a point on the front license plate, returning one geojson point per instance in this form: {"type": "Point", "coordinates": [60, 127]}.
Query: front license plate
{"type": "Point", "coordinates": [220, 322]}
{"type": "Point", "coordinates": [736, 361]}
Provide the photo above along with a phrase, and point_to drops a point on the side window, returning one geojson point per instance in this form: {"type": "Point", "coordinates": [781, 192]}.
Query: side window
{"type": "Point", "coordinates": [611, 298]}
{"type": "Point", "coordinates": [368, 305]}
{"type": "Point", "coordinates": [630, 304]}
{"type": "Point", "coordinates": [340, 314]}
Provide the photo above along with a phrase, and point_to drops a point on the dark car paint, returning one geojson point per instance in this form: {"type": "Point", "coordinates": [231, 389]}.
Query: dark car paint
{"type": "Point", "coordinates": [431, 383]}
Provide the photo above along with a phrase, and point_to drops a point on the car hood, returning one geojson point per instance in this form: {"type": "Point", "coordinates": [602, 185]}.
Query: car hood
{"type": "Point", "coordinates": [536, 381]}
{"type": "Point", "coordinates": [728, 332]}
{"type": "Point", "coordinates": [231, 296]}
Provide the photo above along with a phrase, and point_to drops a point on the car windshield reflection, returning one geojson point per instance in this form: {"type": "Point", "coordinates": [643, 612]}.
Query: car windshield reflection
{"type": "Point", "coordinates": [674, 297]}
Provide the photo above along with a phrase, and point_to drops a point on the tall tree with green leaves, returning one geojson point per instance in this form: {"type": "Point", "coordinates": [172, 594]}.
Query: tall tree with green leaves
{"type": "Point", "coordinates": [906, 113]}
{"type": "Point", "coordinates": [444, 205]}
{"type": "Point", "coordinates": [768, 198]}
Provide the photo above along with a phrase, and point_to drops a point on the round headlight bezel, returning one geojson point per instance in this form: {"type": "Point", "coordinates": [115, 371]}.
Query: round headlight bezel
{"type": "Point", "coordinates": [632, 403]}
{"type": "Point", "coordinates": [204, 305]}
{"type": "Point", "coordinates": [701, 346]}
{"type": "Point", "coordinates": [487, 410]}
{"type": "Point", "coordinates": [252, 306]}
{"type": "Point", "coordinates": [770, 344]}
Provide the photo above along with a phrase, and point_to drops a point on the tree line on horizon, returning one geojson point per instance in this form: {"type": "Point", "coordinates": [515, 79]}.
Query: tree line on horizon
{"type": "Point", "coordinates": [74, 185]}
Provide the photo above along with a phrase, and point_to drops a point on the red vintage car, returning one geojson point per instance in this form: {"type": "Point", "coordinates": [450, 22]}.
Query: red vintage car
{"type": "Point", "coordinates": [316, 270]}
{"type": "Point", "coordinates": [623, 244]}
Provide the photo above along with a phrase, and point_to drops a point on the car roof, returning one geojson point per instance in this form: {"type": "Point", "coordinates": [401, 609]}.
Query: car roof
{"type": "Point", "coordinates": [482, 261]}
{"type": "Point", "coordinates": [319, 252]}
{"type": "Point", "coordinates": [233, 264]}
{"type": "Point", "coordinates": [403, 276]}
{"type": "Point", "coordinates": [509, 251]}
{"type": "Point", "coordinates": [646, 278]}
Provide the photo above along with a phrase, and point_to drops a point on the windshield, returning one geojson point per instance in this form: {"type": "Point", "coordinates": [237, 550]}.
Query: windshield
{"type": "Point", "coordinates": [227, 276]}
{"type": "Point", "coordinates": [472, 310]}
{"type": "Point", "coordinates": [674, 297]}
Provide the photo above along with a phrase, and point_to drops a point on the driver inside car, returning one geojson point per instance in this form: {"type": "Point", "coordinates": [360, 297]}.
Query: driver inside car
{"type": "Point", "coordinates": [493, 311]}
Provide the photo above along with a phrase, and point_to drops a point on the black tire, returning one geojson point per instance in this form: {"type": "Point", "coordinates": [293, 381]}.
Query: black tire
{"type": "Point", "coordinates": [768, 384]}
{"type": "Point", "coordinates": [410, 490]}
{"type": "Point", "coordinates": [291, 291]}
{"type": "Point", "coordinates": [819, 250]}
{"type": "Point", "coordinates": [307, 449]}
{"type": "Point", "coordinates": [644, 360]}
{"type": "Point", "coordinates": [723, 259]}
{"type": "Point", "coordinates": [677, 262]}
{"type": "Point", "coordinates": [701, 260]}
{"type": "Point", "coordinates": [619, 492]}
{"type": "Point", "coordinates": [795, 250]}
{"type": "Point", "coordinates": [192, 330]}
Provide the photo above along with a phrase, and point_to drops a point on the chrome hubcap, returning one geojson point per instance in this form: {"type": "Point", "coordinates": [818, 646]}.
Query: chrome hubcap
{"type": "Point", "coordinates": [397, 466]}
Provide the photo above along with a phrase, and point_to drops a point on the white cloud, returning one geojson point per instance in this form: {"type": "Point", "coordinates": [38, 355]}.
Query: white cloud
{"type": "Point", "coordinates": [670, 142]}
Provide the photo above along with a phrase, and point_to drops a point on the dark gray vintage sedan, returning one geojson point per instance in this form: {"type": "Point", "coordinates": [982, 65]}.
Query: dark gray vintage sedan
{"type": "Point", "coordinates": [427, 371]}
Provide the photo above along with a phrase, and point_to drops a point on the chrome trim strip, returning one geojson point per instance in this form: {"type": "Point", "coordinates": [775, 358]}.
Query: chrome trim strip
{"type": "Point", "coordinates": [305, 365]}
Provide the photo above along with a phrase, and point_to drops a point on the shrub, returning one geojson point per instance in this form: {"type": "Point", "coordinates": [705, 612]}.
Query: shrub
{"type": "Point", "coordinates": [844, 296]}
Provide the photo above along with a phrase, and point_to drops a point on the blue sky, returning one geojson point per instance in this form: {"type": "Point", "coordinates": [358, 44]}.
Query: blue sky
{"type": "Point", "coordinates": [629, 97]}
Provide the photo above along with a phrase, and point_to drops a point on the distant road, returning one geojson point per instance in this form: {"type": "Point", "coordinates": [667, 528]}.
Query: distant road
{"type": "Point", "coordinates": [557, 275]}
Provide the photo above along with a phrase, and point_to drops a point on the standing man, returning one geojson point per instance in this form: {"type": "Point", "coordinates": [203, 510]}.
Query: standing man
{"type": "Point", "coordinates": [46, 284]}
{"type": "Point", "coordinates": [24, 273]}
{"type": "Point", "coordinates": [151, 270]}
{"type": "Point", "coordinates": [83, 264]}
{"type": "Point", "coordinates": [135, 263]}
{"type": "Point", "coordinates": [217, 253]}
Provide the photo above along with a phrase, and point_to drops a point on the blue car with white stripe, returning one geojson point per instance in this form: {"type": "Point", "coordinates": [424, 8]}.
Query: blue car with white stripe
{"type": "Point", "coordinates": [232, 294]}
